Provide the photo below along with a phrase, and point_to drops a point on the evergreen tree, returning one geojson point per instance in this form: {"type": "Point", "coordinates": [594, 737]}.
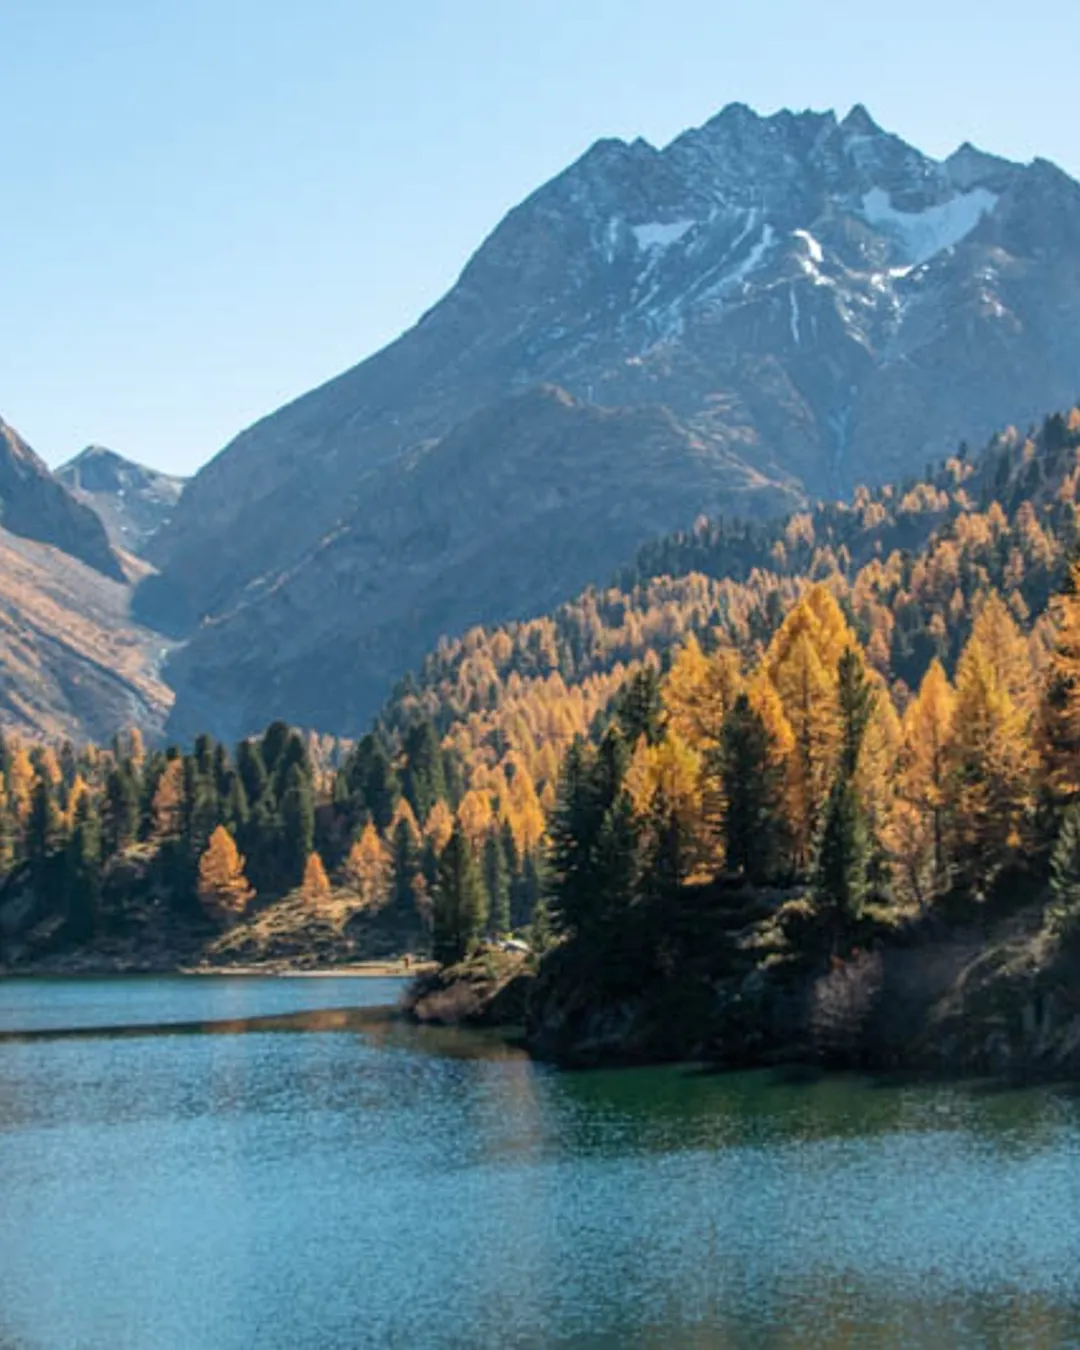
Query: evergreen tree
{"type": "Point", "coordinates": [1064, 911]}
{"type": "Point", "coordinates": [855, 700]}
{"type": "Point", "coordinates": [843, 857]}
{"type": "Point", "coordinates": [405, 861]}
{"type": "Point", "coordinates": [639, 708]}
{"type": "Point", "coordinates": [372, 783]}
{"type": "Point", "coordinates": [751, 794]}
{"type": "Point", "coordinates": [573, 832]}
{"type": "Point", "coordinates": [42, 830]}
{"type": "Point", "coordinates": [272, 747]}
{"type": "Point", "coordinates": [424, 783]}
{"type": "Point", "coordinates": [82, 872]}
{"type": "Point", "coordinates": [497, 883]}
{"type": "Point", "coordinates": [297, 827]}
{"type": "Point", "coordinates": [121, 823]}
{"type": "Point", "coordinates": [845, 850]}
{"type": "Point", "coordinates": [252, 771]}
{"type": "Point", "coordinates": [460, 911]}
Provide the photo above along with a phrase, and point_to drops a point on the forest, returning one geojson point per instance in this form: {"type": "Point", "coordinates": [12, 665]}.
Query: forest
{"type": "Point", "coordinates": [872, 707]}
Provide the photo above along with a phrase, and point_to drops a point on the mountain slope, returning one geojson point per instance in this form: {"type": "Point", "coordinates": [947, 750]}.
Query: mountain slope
{"type": "Point", "coordinates": [132, 500]}
{"type": "Point", "coordinates": [519, 507]}
{"type": "Point", "coordinates": [911, 567]}
{"type": "Point", "coordinates": [811, 299]}
{"type": "Point", "coordinates": [72, 663]}
{"type": "Point", "coordinates": [35, 505]}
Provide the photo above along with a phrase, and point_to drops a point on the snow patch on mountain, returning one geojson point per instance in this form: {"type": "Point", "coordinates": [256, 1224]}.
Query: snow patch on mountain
{"type": "Point", "coordinates": [795, 334]}
{"type": "Point", "coordinates": [753, 259]}
{"type": "Point", "coordinates": [658, 235]}
{"type": "Point", "coordinates": [813, 248]}
{"type": "Point", "coordinates": [924, 234]}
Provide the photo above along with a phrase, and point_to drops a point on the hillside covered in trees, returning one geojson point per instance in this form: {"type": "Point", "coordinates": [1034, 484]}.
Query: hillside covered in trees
{"type": "Point", "coordinates": [768, 752]}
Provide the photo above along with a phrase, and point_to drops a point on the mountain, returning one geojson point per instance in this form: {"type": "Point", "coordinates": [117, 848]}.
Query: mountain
{"type": "Point", "coordinates": [132, 500]}
{"type": "Point", "coordinates": [35, 505]}
{"type": "Point", "coordinates": [809, 302]}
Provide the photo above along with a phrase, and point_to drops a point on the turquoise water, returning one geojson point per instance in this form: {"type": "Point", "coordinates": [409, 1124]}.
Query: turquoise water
{"type": "Point", "coordinates": [188, 1178]}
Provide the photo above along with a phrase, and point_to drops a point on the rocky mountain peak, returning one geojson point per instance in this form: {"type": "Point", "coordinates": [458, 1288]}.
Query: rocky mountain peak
{"type": "Point", "coordinates": [132, 500]}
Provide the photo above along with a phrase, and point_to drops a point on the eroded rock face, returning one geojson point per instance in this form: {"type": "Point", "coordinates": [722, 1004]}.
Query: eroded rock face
{"type": "Point", "coordinates": [806, 302]}
{"type": "Point", "coordinates": [34, 505]}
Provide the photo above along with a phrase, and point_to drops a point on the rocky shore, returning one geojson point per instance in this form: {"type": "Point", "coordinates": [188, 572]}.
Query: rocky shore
{"type": "Point", "coordinates": [991, 1000]}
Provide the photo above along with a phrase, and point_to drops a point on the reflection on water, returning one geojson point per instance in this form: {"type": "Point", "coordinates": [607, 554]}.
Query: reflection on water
{"type": "Point", "coordinates": [361, 1182]}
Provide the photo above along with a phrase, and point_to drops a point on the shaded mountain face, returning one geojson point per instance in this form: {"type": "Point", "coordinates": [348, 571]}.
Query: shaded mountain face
{"type": "Point", "coordinates": [808, 302]}
{"type": "Point", "coordinates": [35, 505]}
{"type": "Point", "coordinates": [132, 501]}
{"type": "Point", "coordinates": [513, 511]}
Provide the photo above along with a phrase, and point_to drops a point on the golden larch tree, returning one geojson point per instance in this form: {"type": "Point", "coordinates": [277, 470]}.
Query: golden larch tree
{"type": "Point", "coordinates": [991, 780]}
{"type": "Point", "coordinates": [1059, 707]}
{"type": "Point", "coordinates": [167, 808]}
{"type": "Point", "coordinates": [476, 817]}
{"type": "Point", "coordinates": [223, 889]}
{"type": "Point", "coordinates": [807, 693]}
{"type": "Point", "coordinates": [918, 833]}
{"type": "Point", "coordinates": [699, 692]}
{"type": "Point", "coordinates": [875, 770]}
{"type": "Point", "coordinates": [671, 771]}
{"type": "Point", "coordinates": [20, 786]}
{"type": "Point", "coordinates": [439, 826]}
{"type": "Point", "coordinates": [366, 870]}
{"type": "Point", "coordinates": [316, 884]}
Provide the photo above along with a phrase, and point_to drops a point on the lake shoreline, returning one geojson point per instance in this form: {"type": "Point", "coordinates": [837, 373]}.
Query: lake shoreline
{"type": "Point", "coordinates": [270, 969]}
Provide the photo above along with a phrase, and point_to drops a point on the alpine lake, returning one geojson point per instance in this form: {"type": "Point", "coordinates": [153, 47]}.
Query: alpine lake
{"type": "Point", "coordinates": [210, 1163]}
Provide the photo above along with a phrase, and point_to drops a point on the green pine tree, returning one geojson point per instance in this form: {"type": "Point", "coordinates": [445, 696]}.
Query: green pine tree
{"type": "Point", "coordinates": [460, 909]}
{"type": "Point", "coordinates": [751, 794]}
{"type": "Point", "coordinates": [297, 826]}
{"type": "Point", "coordinates": [1064, 911]}
{"type": "Point", "coordinates": [497, 883]}
{"type": "Point", "coordinates": [82, 873]}
{"type": "Point", "coordinates": [840, 881]}
{"type": "Point", "coordinates": [425, 782]}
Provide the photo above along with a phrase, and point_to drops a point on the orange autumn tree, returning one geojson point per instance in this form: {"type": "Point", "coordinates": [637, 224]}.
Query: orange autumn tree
{"type": "Point", "coordinates": [316, 884]}
{"type": "Point", "coordinates": [167, 808]}
{"type": "Point", "coordinates": [223, 889]}
{"type": "Point", "coordinates": [918, 833]}
{"type": "Point", "coordinates": [367, 868]}
{"type": "Point", "coordinates": [801, 663]}
{"type": "Point", "coordinates": [991, 786]}
{"type": "Point", "coordinates": [1059, 710]}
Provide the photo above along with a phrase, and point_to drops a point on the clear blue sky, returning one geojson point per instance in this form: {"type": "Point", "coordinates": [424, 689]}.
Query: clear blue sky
{"type": "Point", "coordinates": [213, 205]}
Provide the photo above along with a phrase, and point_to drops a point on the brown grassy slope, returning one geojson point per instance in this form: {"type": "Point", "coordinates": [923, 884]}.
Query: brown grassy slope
{"type": "Point", "coordinates": [72, 662]}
